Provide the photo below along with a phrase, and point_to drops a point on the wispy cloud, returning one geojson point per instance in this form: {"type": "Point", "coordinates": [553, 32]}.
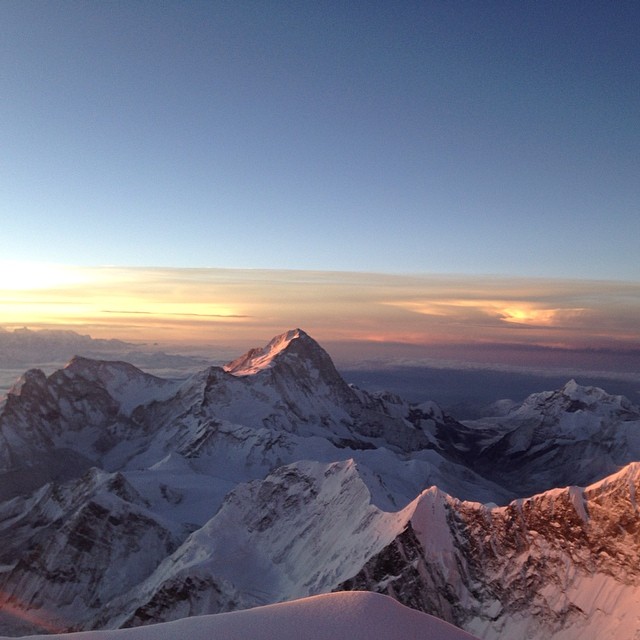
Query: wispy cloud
{"type": "Point", "coordinates": [247, 306]}
{"type": "Point", "coordinates": [177, 314]}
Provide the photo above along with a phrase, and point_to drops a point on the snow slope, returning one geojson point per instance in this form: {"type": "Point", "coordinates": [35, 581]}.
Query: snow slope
{"type": "Point", "coordinates": [301, 531]}
{"type": "Point", "coordinates": [336, 616]}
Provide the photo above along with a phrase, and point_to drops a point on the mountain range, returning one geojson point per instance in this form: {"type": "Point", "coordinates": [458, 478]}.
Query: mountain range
{"type": "Point", "coordinates": [51, 349]}
{"type": "Point", "coordinates": [129, 499]}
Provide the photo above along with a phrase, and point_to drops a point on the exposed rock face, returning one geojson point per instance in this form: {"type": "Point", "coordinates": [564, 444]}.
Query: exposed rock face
{"type": "Point", "coordinates": [553, 565]}
{"type": "Point", "coordinates": [68, 549]}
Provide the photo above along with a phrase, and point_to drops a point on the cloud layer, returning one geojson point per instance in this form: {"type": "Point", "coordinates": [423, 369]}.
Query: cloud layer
{"type": "Point", "coordinates": [244, 307]}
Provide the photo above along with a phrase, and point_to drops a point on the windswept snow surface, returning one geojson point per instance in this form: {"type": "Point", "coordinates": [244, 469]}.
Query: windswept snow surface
{"type": "Point", "coordinates": [335, 616]}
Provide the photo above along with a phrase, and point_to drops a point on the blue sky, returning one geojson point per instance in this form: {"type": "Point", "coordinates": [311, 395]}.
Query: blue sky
{"type": "Point", "coordinates": [413, 137]}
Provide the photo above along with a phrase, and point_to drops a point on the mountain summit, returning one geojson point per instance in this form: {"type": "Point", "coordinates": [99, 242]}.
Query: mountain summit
{"type": "Point", "coordinates": [261, 358]}
{"type": "Point", "coordinates": [292, 356]}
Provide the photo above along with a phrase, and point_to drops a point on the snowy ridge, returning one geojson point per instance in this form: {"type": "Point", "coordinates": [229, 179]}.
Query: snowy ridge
{"type": "Point", "coordinates": [561, 564]}
{"type": "Point", "coordinates": [575, 398]}
{"type": "Point", "coordinates": [54, 540]}
{"type": "Point", "coordinates": [127, 384]}
{"type": "Point", "coordinates": [301, 531]}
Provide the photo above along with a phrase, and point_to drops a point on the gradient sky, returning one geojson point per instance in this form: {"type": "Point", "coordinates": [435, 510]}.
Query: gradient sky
{"type": "Point", "coordinates": [414, 137]}
{"type": "Point", "coordinates": [461, 176]}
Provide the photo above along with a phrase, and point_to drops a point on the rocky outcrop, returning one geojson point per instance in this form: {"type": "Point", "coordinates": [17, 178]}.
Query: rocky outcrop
{"type": "Point", "coordinates": [543, 567]}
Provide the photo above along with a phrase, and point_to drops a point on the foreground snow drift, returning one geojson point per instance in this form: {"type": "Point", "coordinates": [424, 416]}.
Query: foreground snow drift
{"type": "Point", "coordinates": [337, 616]}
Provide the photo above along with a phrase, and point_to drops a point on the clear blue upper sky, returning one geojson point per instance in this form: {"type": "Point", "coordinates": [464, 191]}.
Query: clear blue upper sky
{"type": "Point", "coordinates": [466, 137]}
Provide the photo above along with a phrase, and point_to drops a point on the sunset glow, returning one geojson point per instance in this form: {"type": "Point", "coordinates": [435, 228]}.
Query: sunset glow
{"type": "Point", "coordinates": [527, 314]}
{"type": "Point", "coordinates": [40, 619]}
{"type": "Point", "coordinates": [524, 313]}
{"type": "Point", "coordinates": [247, 306]}
{"type": "Point", "coordinates": [364, 191]}
{"type": "Point", "coordinates": [25, 276]}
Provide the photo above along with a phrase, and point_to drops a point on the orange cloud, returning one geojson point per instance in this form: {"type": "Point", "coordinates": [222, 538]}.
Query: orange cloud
{"type": "Point", "coordinates": [245, 307]}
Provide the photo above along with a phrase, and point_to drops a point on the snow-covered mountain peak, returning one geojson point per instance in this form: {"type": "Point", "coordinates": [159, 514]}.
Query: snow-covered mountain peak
{"type": "Point", "coordinates": [261, 358]}
{"type": "Point", "coordinates": [126, 499]}
{"type": "Point", "coordinates": [627, 475]}
{"type": "Point", "coordinates": [572, 387]}
{"type": "Point", "coordinates": [295, 361]}
{"type": "Point", "coordinates": [105, 371]}
{"type": "Point", "coordinates": [585, 394]}
{"type": "Point", "coordinates": [126, 383]}
{"type": "Point", "coordinates": [30, 377]}
{"type": "Point", "coordinates": [573, 398]}
{"type": "Point", "coordinates": [429, 511]}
